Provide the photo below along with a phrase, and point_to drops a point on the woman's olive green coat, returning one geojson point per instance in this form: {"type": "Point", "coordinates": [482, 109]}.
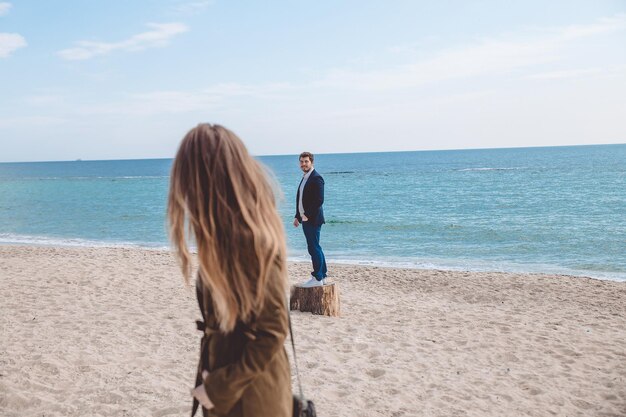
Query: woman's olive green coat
{"type": "Point", "coordinates": [249, 372]}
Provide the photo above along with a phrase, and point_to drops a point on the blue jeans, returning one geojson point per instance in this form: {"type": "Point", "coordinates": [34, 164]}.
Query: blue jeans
{"type": "Point", "coordinates": [312, 235]}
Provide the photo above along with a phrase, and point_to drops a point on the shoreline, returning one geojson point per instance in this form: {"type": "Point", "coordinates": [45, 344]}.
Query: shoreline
{"type": "Point", "coordinates": [508, 268]}
{"type": "Point", "coordinates": [111, 332]}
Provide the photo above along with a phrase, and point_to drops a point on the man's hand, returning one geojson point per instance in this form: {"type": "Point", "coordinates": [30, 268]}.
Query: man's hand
{"type": "Point", "coordinates": [305, 218]}
{"type": "Point", "coordinates": [296, 223]}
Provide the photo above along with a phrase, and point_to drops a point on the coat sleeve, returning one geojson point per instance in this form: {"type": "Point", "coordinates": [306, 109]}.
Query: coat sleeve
{"type": "Point", "coordinates": [225, 386]}
{"type": "Point", "coordinates": [319, 195]}
{"type": "Point", "coordinates": [297, 216]}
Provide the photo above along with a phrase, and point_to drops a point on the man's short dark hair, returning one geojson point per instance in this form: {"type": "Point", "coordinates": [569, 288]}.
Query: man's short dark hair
{"type": "Point", "coordinates": [306, 155]}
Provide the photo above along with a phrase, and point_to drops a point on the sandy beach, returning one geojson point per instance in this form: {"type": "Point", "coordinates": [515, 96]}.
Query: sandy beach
{"type": "Point", "coordinates": [111, 332]}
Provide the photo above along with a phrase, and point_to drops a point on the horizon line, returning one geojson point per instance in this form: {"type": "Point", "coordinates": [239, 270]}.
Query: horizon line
{"type": "Point", "coordinates": [329, 153]}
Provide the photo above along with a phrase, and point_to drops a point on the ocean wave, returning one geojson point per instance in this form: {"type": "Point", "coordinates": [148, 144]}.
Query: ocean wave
{"type": "Point", "coordinates": [134, 177]}
{"type": "Point", "coordinates": [345, 222]}
{"type": "Point", "coordinates": [16, 239]}
{"type": "Point", "coordinates": [466, 265]}
{"type": "Point", "coordinates": [490, 169]}
{"type": "Point", "coordinates": [469, 265]}
{"type": "Point", "coordinates": [86, 178]}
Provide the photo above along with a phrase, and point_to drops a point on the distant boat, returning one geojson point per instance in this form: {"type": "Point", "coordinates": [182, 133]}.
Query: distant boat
{"type": "Point", "coordinates": [78, 160]}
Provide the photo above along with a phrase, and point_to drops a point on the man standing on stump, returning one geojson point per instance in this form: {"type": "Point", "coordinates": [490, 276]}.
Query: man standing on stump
{"type": "Point", "coordinates": [310, 213]}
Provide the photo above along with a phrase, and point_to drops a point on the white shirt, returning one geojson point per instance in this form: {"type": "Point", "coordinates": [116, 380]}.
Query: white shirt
{"type": "Point", "coordinates": [305, 178]}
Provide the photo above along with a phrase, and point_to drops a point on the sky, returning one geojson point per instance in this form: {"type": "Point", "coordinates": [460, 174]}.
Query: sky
{"type": "Point", "coordinates": [120, 79]}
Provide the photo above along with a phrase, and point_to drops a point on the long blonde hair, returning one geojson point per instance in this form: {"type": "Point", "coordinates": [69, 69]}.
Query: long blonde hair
{"type": "Point", "coordinates": [224, 196]}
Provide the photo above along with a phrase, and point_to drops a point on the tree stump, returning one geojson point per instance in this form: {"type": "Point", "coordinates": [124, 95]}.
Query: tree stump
{"type": "Point", "coordinates": [322, 300]}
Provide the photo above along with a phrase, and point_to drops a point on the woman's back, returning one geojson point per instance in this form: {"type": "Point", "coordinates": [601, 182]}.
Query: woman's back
{"type": "Point", "coordinates": [248, 367]}
{"type": "Point", "coordinates": [222, 198]}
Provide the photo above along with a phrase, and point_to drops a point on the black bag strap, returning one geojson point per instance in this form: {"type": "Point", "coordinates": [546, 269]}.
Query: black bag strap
{"type": "Point", "coordinates": [293, 346]}
{"type": "Point", "coordinates": [201, 325]}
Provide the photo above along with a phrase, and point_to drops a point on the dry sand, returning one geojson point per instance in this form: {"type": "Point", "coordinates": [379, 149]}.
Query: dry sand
{"type": "Point", "coordinates": [111, 332]}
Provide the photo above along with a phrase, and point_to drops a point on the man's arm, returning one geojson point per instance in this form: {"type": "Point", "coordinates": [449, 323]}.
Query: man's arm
{"type": "Point", "coordinates": [318, 193]}
{"type": "Point", "coordinates": [296, 222]}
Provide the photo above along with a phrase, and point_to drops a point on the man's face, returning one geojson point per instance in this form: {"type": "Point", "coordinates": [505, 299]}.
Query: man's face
{"type": "Point", "coordinates": [305, 164]}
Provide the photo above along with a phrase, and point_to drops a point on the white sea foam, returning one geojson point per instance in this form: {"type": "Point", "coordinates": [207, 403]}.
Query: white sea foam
{"type": "Point", "coordinates": [385, 262]}
{"type": "Point", "coordinates": [15, 239]}
{"type": "Point", "coordinates": [83, 178]}
{"type": "Point", "coordinates": [467, 265]}
{"type": "Point", "coordinates": [490, 169]}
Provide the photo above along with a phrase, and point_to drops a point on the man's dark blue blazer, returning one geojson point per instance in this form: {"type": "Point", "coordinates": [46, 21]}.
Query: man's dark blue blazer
{"type": "Point", "coordinates": [312, 199]}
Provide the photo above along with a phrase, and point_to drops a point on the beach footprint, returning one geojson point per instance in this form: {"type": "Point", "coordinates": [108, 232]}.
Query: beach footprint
{"type": "Point", "coordinates": [375, 372]}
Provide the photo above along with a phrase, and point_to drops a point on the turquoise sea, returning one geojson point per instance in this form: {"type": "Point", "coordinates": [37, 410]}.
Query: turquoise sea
{"type": "Point", "coordinates": [552, 209]}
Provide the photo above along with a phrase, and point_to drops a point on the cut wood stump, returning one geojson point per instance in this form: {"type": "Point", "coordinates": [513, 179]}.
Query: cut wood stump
{"type": "Point", "coordinates": [322, 300]}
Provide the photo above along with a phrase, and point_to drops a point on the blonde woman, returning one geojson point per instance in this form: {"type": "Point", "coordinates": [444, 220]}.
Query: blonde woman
{"type": "Point", "coordinates": [220, 198]}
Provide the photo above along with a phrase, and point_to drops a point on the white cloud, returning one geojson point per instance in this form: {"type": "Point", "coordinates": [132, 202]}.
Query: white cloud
{"type": "Point", "coordinates": [269, 90]}
{"type": "Point", "coordinates": [603, 25]}
{"type": "Point", "coordinates": [9, 42]}
{"type": "Point", "coordinates": [159, 36]}
{"type": "Point", "coordinates": [554, 75]}
{"type": "Point", "coordinates": [194, 6]}
{"type": "Point", "coordinates": [4, 8]}
{"type": "Point", "coordinates": [512, 55]}
{"type": "Point", "coordinates": [486, 58]}
{"type": "Point", "coordinates": [174, 102]}
{"type": "Point", "coordinates": [171, 102]}
{"type": "Point", "coordinates": [44, 100]}
{"type": "Point", "coordinates": [501, 91]}
{"type": "Point", "coordinates": [21, 122]}
{"type": "Point", "coordinates": [154, 103]}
